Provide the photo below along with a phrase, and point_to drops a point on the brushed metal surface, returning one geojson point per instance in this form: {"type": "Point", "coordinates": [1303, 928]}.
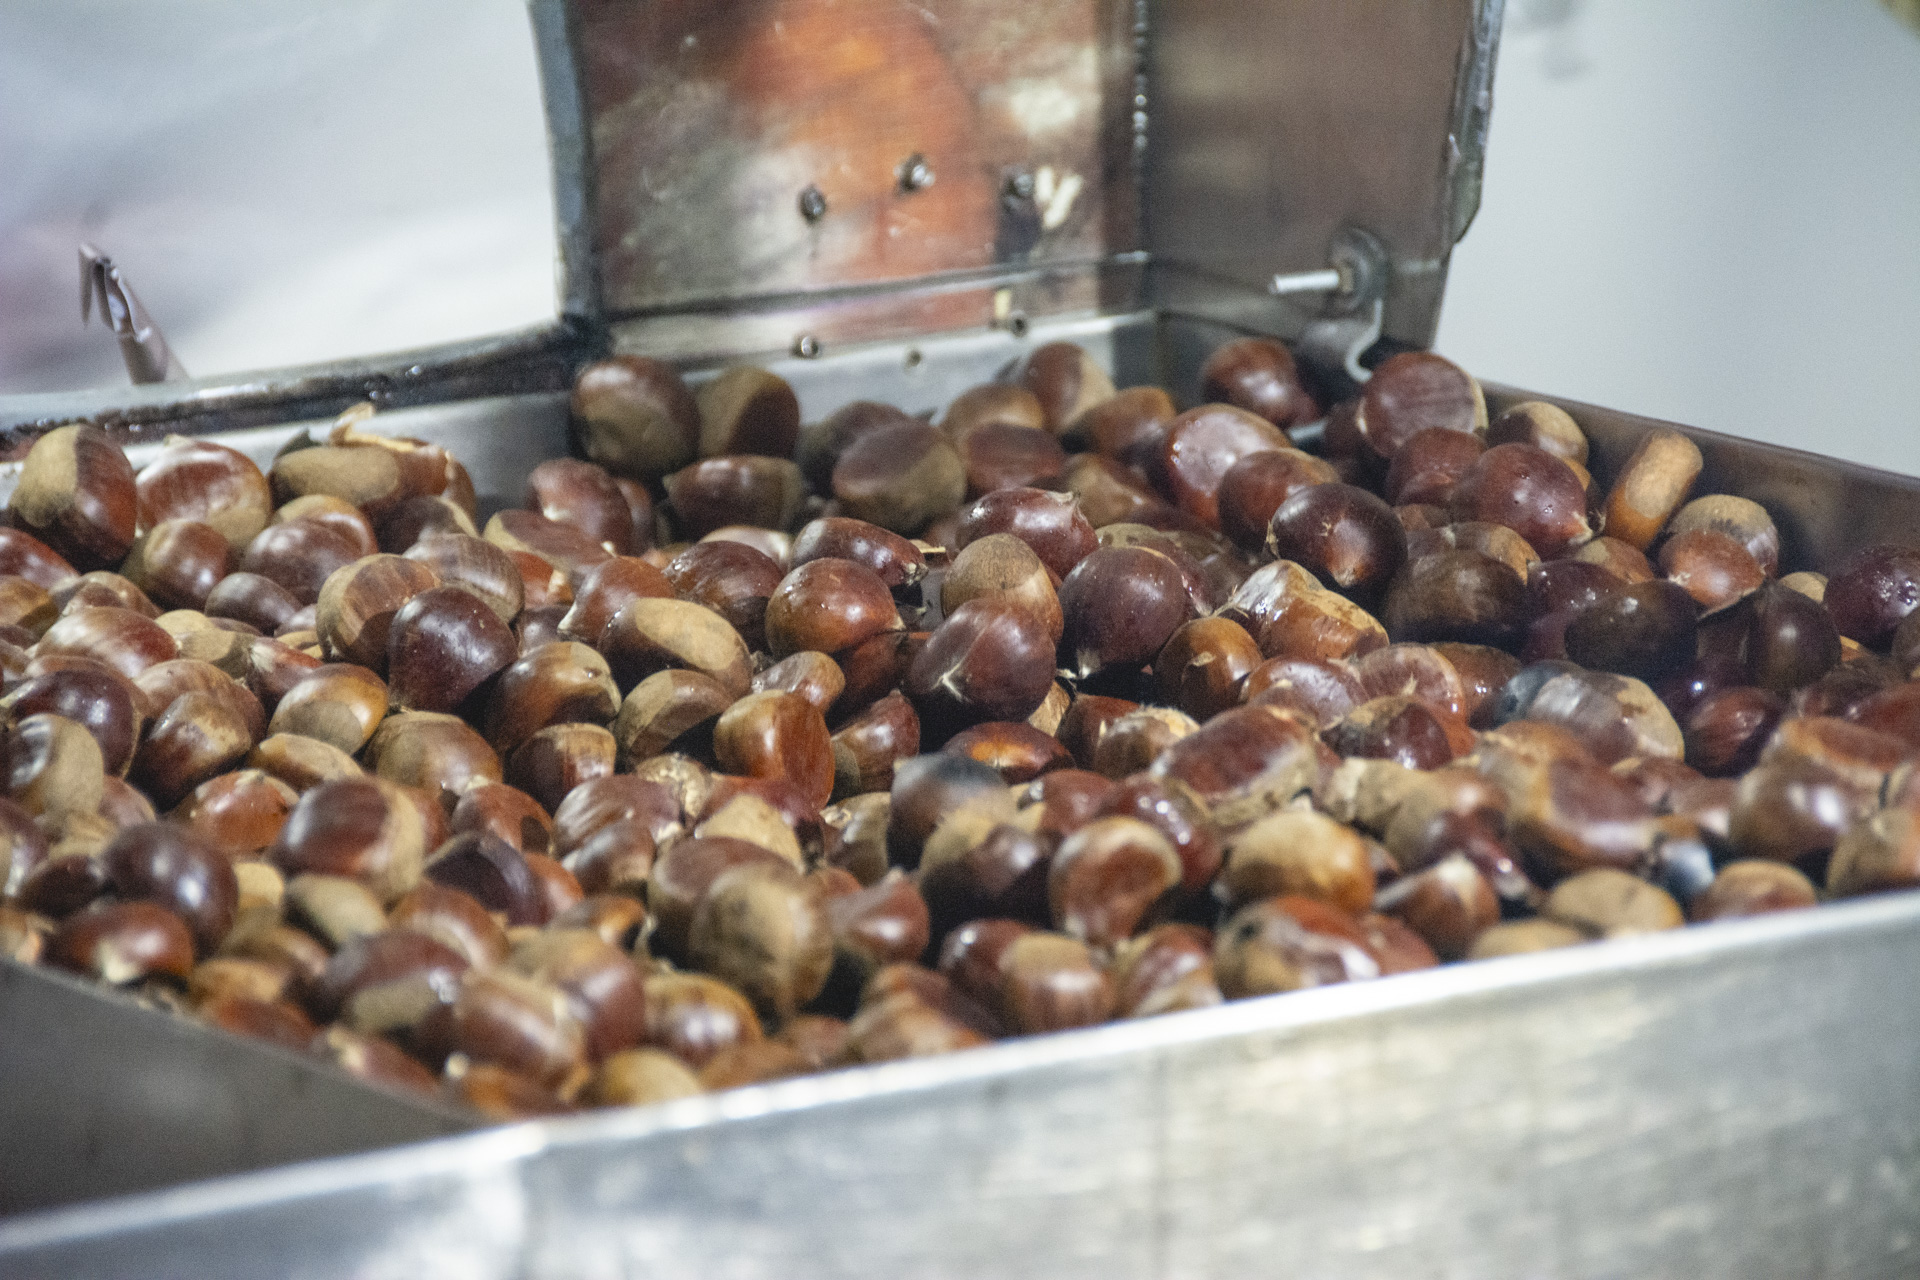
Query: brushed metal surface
{"type": "Point", "coordinates": [1706, 1104]}
{"type": "Point", "coordinates": [1275, 125]}
{"type": "Point", "coordinates": [100, 1096]}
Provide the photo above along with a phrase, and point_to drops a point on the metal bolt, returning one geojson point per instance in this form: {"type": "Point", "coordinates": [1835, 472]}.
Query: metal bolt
{"type": "Point", "coordinates": [915, 173]}
{"type": "Point", "coordinates": [1019, 186]}
{"type": "Point", "coordinates": [813, 204]}
{"type": "Point", "coordinates": [807, 347]}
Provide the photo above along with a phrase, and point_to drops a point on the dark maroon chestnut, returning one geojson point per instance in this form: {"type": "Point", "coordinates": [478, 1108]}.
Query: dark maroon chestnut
{"type": "Point", "coordinates": [96, 699]}
{"type": "Point", "coordinates": [1413, 392]}
{"type": "Point", "coordinates": [299, 556]}
{"type": "Point", "coordinates": [1202, 665]}
{"type": "Point", "coordinates": [1646, 630]}
{"type": "Point", "coordinates": [1018, 750]}
{"type": "Point", "coordinates": [999, 455]}
{"type": "Point", "coordinates": [442, 646]}
{"type": "Point", "coordinates": [821, 444]}
{"type": "Point", "coordinates": [1258, 375]}
{"type": "Point", "coordinates": [178, 562]}
{"type": "Point", "coordinates": [736, 581]}
{"type": "Point", "coordinates": [1127, 426]}
{"type": "Point", "coordinates": [1255, 487]}
{"type": "Point", "coordinates": [635, 416]}
{"type": "Point", "coordinates": [609, 587]}
{"type": "Point", "coordinates": [1121, 605]}
{"type": "Point", "coordinates": [1320, 690]}
{"type": "Point", "coordinates": [172, 865]}
{"type": "Point", "coordinates": [1873, 592]}
{"type": "Point", "coordinates": [1429, 464]}
{"type": "Point", "coordinates": [1201, 446]}
{"type": "Point", "coordinates": [1528, 490]}
{"type": "Point", "coordinates": [736, 489]}
{"type": "Point", "coordinates": [1728, 728]}
{"type": "Point", "coordinates": [493, 872]}
{"type": "Point", "coordinates": [925, 790]}
{"type": "Point", "coordinates": [1344, 535]}
{"type": "Point", "coordinates": [899, 563]}
{"type": "Point", "coordinates": [123, 942]}
{"type": "Point", "coordinates": [1463, 596]}
{"type": "Point", "coordinates": [1050, 523]}
{"type": "Point", "coordinates": [491, 573]}
{"type": "Point", "coordinates": [748, 410]}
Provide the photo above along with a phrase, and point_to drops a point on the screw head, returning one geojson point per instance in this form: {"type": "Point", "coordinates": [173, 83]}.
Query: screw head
{"type": "Point", "coordinates": [807, 347]}
{"type": "Point", "coordinates": [915, 173]}
{"type": "Point", "coordinates": [813, 203]}
{"type": "Point", "coordinates": [1019, 186]}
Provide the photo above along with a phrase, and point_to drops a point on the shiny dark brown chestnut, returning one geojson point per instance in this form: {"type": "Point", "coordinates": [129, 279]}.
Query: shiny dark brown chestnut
{"type": "Point", "coordinates": [1258, 375]}
{"type": "Point", "coordinates": [299, 556]}
{"type": "Point", "coordinates": [1346, 536]}
{"type": "Point", "coordinates": [635, 416]}
{"type": "Point", "coordinates": [777, 735]}
{"type": "Point", "coordinates": [1528, 490]}
{"type": "Point", "coordinates": [1065, 379]}
{"type": "Point", "coordinates": [178, 562]}
{"type": "Point", "coordinates": [828, 606]}
{"type": "Point", "coordinates": [1646, 630]}
{"type": "Point", "coordinates": [1052, 524]}
{"type": "Point", "coordinates": [992, 659]}
{"type": "Point", "coordinates": [1413, 392]}
{"type": "Point", "coordinates": [170, 864]}
{"type": "Point", "coordinates": [443, 645]}
{"type": "Point", "coordinates": [1122, 605]}
{"type": "Point", "coordinates": [76, 494]}
{"type": "Point", "coordinates": [365, 829]}
{"type": "Point", "coordinates": [901, 477]}
{"type": "Point", "coordinates": [1463, 596]}
{"type": "Point", "coordinates": [123, 942]}
{"type": "Point", "coordinates": [736, 489]}
{"type": "Point", "coordinates": [1200, 447]}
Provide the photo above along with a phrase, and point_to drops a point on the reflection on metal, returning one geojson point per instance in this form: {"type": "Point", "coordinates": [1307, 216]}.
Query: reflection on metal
{"type": "Point", "coordinates": [142, 345]}
{"type": "Point", "coordinates": [1708, 1104]}
{"type": "Point", "coordinates": [105, 1096]}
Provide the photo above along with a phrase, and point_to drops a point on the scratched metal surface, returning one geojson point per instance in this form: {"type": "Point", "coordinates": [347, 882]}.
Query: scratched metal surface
{"type": "Point", "coordinates": [1734, 1101]}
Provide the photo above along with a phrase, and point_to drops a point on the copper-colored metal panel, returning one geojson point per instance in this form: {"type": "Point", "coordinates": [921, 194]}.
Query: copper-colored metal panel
{"type": "Point", "coordinates": [708, 122]}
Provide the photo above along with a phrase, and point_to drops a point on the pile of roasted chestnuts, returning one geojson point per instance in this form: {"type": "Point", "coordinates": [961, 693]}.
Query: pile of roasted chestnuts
{"type": "Point", "coordinates": [747, 747]}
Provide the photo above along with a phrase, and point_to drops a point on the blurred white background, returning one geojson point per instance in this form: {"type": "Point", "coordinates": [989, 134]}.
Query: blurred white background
{"type": "Point", "coordinates": [281, 183]}
{"type": "Point", "coordinates": [1706, 211]}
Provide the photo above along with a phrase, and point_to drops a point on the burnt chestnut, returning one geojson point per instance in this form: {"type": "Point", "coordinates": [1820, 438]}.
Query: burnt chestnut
{"type": "Point", "coordinates": [1344, 535]}
{"type": "Point", "coordinates": [1258, 375]}
{"type": "Point", "coordinates": [635, 416]}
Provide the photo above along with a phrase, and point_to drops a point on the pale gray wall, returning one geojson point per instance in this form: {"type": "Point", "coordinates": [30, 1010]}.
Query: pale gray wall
{"type": "Point", "coordinates": [1706, 210]}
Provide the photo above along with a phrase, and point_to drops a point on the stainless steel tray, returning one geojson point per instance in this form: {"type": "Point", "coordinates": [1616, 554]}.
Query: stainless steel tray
{"type": "Point", "coordinates": [1736, 1100]}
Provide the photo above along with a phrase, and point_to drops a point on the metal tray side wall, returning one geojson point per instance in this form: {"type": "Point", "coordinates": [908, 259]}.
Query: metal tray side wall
{"type": "Point", "coordinates": [1709, 1105]}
